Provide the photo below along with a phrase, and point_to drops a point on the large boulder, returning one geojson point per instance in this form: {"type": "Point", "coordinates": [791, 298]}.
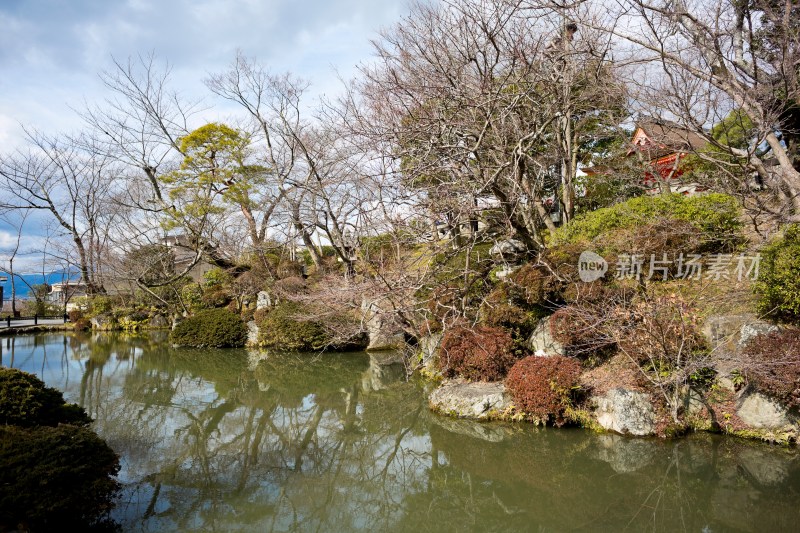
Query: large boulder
{"type": "Point", "coordinates": [429, 352]}
{"type": "Point", "coordinates": [762, 412]}
{"type": "Point", "coordinates": [474, 400]}
{"type": "Point", "coordinates": [384, 332]}
{"type": "Point", "coordinates": [159, 322]}
{"type": "Point", "coordinates": [626, 412]}
{"type": "Point", "coordinates": [541, 341]}
{"type": "Point", "coordinates": [104, 322]}
{"type": "Point", "coordinates": [508, 247]}
{"type": "Point", "coordinates": [263, 300]}
{"type": "Point", "coordinates": [727, 335]}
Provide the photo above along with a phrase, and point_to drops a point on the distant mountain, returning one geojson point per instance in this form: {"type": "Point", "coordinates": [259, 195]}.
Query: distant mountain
{"type": "Point", "coordinates": [23, 291]}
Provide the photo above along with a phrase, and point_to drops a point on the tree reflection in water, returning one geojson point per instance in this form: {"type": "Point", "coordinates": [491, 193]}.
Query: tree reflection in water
{"type": "Point", "coordinates": [225, 440]}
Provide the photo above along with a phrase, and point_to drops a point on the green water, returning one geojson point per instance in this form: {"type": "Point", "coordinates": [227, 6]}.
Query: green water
{"type": "Point", "coordinates": [223, 440]}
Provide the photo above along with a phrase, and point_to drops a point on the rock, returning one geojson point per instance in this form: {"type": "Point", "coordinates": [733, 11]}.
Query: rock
{"type": "Point", "coordinates": [754, 329]}
{"type": "Point", "coordinates": [159, 322]}
{"type": "Point", "coordinates": [542, 343]}
{"type": "Point", "coordinates": [477, 400]}
{"type": "Point", "coordinates": [252, 333]}
{"type": "Point", "coordinates": [263, 300]}
{"type": "Point", "coordinates": [624, 455]}
{"type": "Point", "coordinates": [507, 247]}
{"type": "Point", "coordinates": [385, 368]}
{"type": "Point", "coordinates": [761, 412]}
{"type": "Point", "coordinates": [728, 334]}
{"type": "Point", "coordinates": [103, 322]}
{"type": "Point", "coordinates": [429, 351]}
{"type": "Point", "coordinates": [384, 332]}
{"type": "Point", "coordinates": [504, 272]}
{"type": "Point", "coordinates": [626, 412]}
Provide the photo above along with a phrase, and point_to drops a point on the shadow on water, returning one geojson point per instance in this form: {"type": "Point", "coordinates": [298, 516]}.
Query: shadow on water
{"type": "Point", "coordinates": [230, 440]}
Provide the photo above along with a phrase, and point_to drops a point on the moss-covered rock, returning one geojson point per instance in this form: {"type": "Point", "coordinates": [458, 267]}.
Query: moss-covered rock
{"type": "Point", "coordinates": [284, 328]}
{"type": "Point", "coordinates": [214, 328]}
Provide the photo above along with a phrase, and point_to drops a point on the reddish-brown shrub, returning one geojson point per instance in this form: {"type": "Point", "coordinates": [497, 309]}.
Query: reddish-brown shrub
{"type": "Point", "coordinates": [483, 353]}
{"type": "Point", "coordinates": [773, 365]}
{"type": "Point", "coordinates": [543, 387]}
{"type": "Point", "coordinates": [75, 315]}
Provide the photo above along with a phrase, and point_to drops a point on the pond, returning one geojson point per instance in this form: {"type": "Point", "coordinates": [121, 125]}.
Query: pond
{"type": "Point", "coordinates": [226, 440]}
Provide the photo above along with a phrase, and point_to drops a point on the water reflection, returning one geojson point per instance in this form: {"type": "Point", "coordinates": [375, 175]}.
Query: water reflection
{"type": "Point", "coordinates": [237, 441]}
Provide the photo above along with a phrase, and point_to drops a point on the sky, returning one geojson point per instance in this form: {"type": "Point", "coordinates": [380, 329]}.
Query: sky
{"type": "Point", "coordinates": [52, 51]}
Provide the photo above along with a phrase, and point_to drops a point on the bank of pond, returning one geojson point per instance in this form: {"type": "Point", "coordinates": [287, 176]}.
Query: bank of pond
{"type": "Point", "coordinates": [231, 440]}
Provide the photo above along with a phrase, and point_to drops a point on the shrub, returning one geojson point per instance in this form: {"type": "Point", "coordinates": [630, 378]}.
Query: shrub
{"type": "Point", "coordinates": [483, 353]}
{"type": "Point", "coordinates": [773, 365]}
{"type": "Point", "coordinates": [663, 334]}
{"type": "Point", "coordinates": [82, 324]}
{"type": "Point", "coordinates": [75, 315]}
{"type": "Point", "coordinates": [214, 328]}
{"type": "Point", "coordinates": [715, 215]}
{"type": "Point", "coordinates": [778, 285]}
{"type": "Point", "coordinates": [581, 330]}
{"type": "Point", "coordinates": [55, 478]}
{"type": "Point", "coordinates": [26, 401]}
{"type": "Point", "coordinates": [283, 328]}
{"type": "Point", "coordinates": [543, 387]}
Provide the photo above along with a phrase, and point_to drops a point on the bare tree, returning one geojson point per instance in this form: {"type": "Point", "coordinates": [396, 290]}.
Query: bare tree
{"type": "Point", "coordinates": [60, 177]}
{"type": "Point", "coordinates": [718, 57]}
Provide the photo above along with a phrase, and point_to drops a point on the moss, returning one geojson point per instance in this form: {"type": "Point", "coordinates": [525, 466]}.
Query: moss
{"type": "Point", "coordinates": [716, 216]}
{"type": "Point", "coordinates": [282, 328]}
{"type": "Point", "coordinates": [55, 472]}
{"type": "Point", "coordinates": [215, 328]}
{"type": "Point", "coordinates": [583, 418]}
{"type": "Point", "coordinates": [26, 401]}
{"type": "Point", "coordinates": [55, 478]}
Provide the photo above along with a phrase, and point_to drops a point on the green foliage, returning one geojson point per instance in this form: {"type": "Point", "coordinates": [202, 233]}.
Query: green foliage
{"type": "Point", "coordinates": [56, 478]}
{"type": "Point", "coordinates": [778, 285]}
{"type": "Point", "coordinates": [214, 328]}
{"type": "Point", "coordinates": [216, 278]}
{"type": "Point", "coordinates": [736, 130]}
{"type": "Point", "coordinates": [544, 387]}
{"type": "Point", "coordinates": [716, 216]}
{"type": "Point", "coordinates": [26, 401]}
{"type": "Point", "coordinates": [214, 168]}
{"type": "Point", "coordinates": [192, 297]}
{"type": "Point", "coordinates": [55, 472]}
{"type": "Point", "coordinates": [283, 328]}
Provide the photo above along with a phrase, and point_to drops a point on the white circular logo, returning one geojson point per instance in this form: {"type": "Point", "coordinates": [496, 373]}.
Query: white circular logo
{"type": "Point", "coordinates": [591, 266]}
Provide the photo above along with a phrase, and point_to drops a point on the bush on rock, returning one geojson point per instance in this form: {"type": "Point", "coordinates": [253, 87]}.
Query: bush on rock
{"type": "Point", "coordinates": [544, 387]}
{"type": "Point", "coordinates": [483, 353]}
{"type": "Point", "coordinates": [284, 328]}
{"type": "Point", "coordinates": [55, 472]}
{"type": "Point", "coordinates": [214, 328]}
